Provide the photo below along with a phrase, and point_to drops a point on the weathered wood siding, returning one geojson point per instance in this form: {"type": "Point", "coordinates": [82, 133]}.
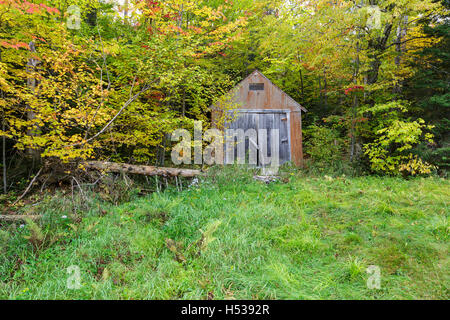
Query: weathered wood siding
{"type": "Point", "coordinates": [273, 98]}
{"type": "Point", "coordinates": [270, 119]}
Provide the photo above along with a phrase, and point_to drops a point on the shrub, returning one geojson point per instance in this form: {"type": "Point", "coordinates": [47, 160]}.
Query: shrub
{"type": "Point", "coordinates": [395, 137]}
{"type": "Point", "coordinates": [438, 155]}
{"type": "Point", "coordinates": [324, 146]}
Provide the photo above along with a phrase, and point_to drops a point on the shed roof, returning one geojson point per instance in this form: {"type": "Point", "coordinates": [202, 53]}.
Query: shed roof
{"type": "Point", "coordinates": [295, 103]}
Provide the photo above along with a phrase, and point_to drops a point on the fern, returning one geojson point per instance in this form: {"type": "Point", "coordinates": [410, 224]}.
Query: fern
{"type": "Point", "coordinates": [207, 235]}
{"type": "Point", "coordinates": [36, 236]}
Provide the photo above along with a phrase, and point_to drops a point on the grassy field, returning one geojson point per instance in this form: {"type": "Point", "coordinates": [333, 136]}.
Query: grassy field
{"type": "Point", "coordinates": [232, 237]}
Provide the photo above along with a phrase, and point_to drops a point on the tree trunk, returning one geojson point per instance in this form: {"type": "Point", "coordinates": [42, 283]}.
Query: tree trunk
{"type": "Point", "coordinates": [31, 115]}
{"type": "Point", "coordinates": [125, 12]}
{"type": "Point", "coordinates": [161, 155]}
{"type": "Point", "coordinates": [355, 100]}
{"type": "Point", "coordinates": [353, 133]}
{"type": "Point", "coordinates": [399, 48]}
{"type": "Point", "coordinates": [183, 110]}
{"type": "Point", "coordinates": [325, 98]}
{"type": "Point", "coordinates": [5, 187]}
{"type": "Point", "coordinates": [378, 47]}
{"type": "Point", "coordinates": [320, 93]}
{"type": "Point", "coordinates": [302, 85]}
{"type": "Point", "coordinates": [142, 170]}
{"type": "Point", "coordinates": [91, 17]}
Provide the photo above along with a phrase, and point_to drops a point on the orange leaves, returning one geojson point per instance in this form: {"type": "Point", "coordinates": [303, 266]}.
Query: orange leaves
{"type": "Point", "coordinates": [152, 11]}
{"type": "Point", "coordinates": [38, 38]}
{"type": "Point", "coordinates": [16, 45]}
{"type": "Point", "coordinates": [50, 10]}
{"type": "Point", "coordinates": [176, 29]}
{"type": "Point", "coordinates": [150, 8]}
{"type": "Point", "coordinates": [21, 45]}
{"type": "Point", "coordinates": [30, 8]}
{"type": "Point", "coordinates": [308, 66]}
{"type": "Point", "coordinates": [197, 30]}
{"type": "Point", "coordinates": [216, 44]}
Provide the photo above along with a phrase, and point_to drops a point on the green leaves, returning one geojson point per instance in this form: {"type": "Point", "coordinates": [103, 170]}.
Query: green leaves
{"type": "Point", "coordinates": [395, 136]}
{"type": "Point", "coordinates": [324, 146]}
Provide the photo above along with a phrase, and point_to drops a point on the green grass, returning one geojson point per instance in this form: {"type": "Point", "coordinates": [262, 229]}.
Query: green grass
{"type": "Point", "coordinates": [309, 238]}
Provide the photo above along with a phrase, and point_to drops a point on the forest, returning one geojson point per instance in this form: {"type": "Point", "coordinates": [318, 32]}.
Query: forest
{"type": "Point", "coordinates": [105, 80]}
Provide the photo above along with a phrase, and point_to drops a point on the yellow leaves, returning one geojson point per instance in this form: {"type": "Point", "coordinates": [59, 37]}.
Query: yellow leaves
{"type": "Point", "coordinates": [415, 166]}
{"type": "Point", "coordinates": [429, 136]}
{"type": "Point", "coordinates": [65, 102]}
{"type": "Point", "coordinates": [5, 134]}
{"type": "Point", "coordinates": [112, 49]}
{"type": "Point", "coordinates": [209, 13]}
{"type": "Point", "coordinates": [387, 152]}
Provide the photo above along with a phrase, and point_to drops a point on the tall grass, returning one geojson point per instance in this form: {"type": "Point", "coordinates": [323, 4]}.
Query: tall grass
{"type": "Point", "coordinates": [300, 238]}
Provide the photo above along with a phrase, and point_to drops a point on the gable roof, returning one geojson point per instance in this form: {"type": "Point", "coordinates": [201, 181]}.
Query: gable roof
{"type": "Point", "coordinates": [295, 103]}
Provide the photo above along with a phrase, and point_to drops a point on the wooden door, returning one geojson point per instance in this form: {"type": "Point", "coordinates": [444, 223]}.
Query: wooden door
{"type": "Point", "coordinates": [263, 119]}
{"type": "Point", "coordinates": [248, 122]}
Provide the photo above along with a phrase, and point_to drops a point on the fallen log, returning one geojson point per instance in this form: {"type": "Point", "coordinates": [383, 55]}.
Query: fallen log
{"type": "Point", "coordinates": [13, 217]}
{"type": "Point", "coordinates": [142, 170]}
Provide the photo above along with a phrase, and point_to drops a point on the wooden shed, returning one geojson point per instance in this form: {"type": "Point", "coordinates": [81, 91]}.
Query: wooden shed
{"type": "Point", "coordinates": [260, 104]}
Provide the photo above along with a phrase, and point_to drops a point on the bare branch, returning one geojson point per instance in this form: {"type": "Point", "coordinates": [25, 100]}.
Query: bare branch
{"type": "Point", "coordinates": [29, 187]}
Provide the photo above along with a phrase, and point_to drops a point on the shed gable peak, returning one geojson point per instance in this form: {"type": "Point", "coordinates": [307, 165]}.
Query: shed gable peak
{"type": "Point", "coordinates": [257, 72]}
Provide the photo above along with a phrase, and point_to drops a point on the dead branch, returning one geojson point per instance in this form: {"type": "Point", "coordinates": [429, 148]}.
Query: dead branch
{"type": "Point", "coordinates": [12, 217]}
{"type": "Point", "coordinates": [29, 187]}
{"type": "Point", "coordinates": [142, 170]}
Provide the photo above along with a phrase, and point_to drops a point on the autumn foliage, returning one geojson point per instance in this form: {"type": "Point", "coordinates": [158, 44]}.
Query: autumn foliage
{"type": "Point", "coordinates": [115, 86]}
